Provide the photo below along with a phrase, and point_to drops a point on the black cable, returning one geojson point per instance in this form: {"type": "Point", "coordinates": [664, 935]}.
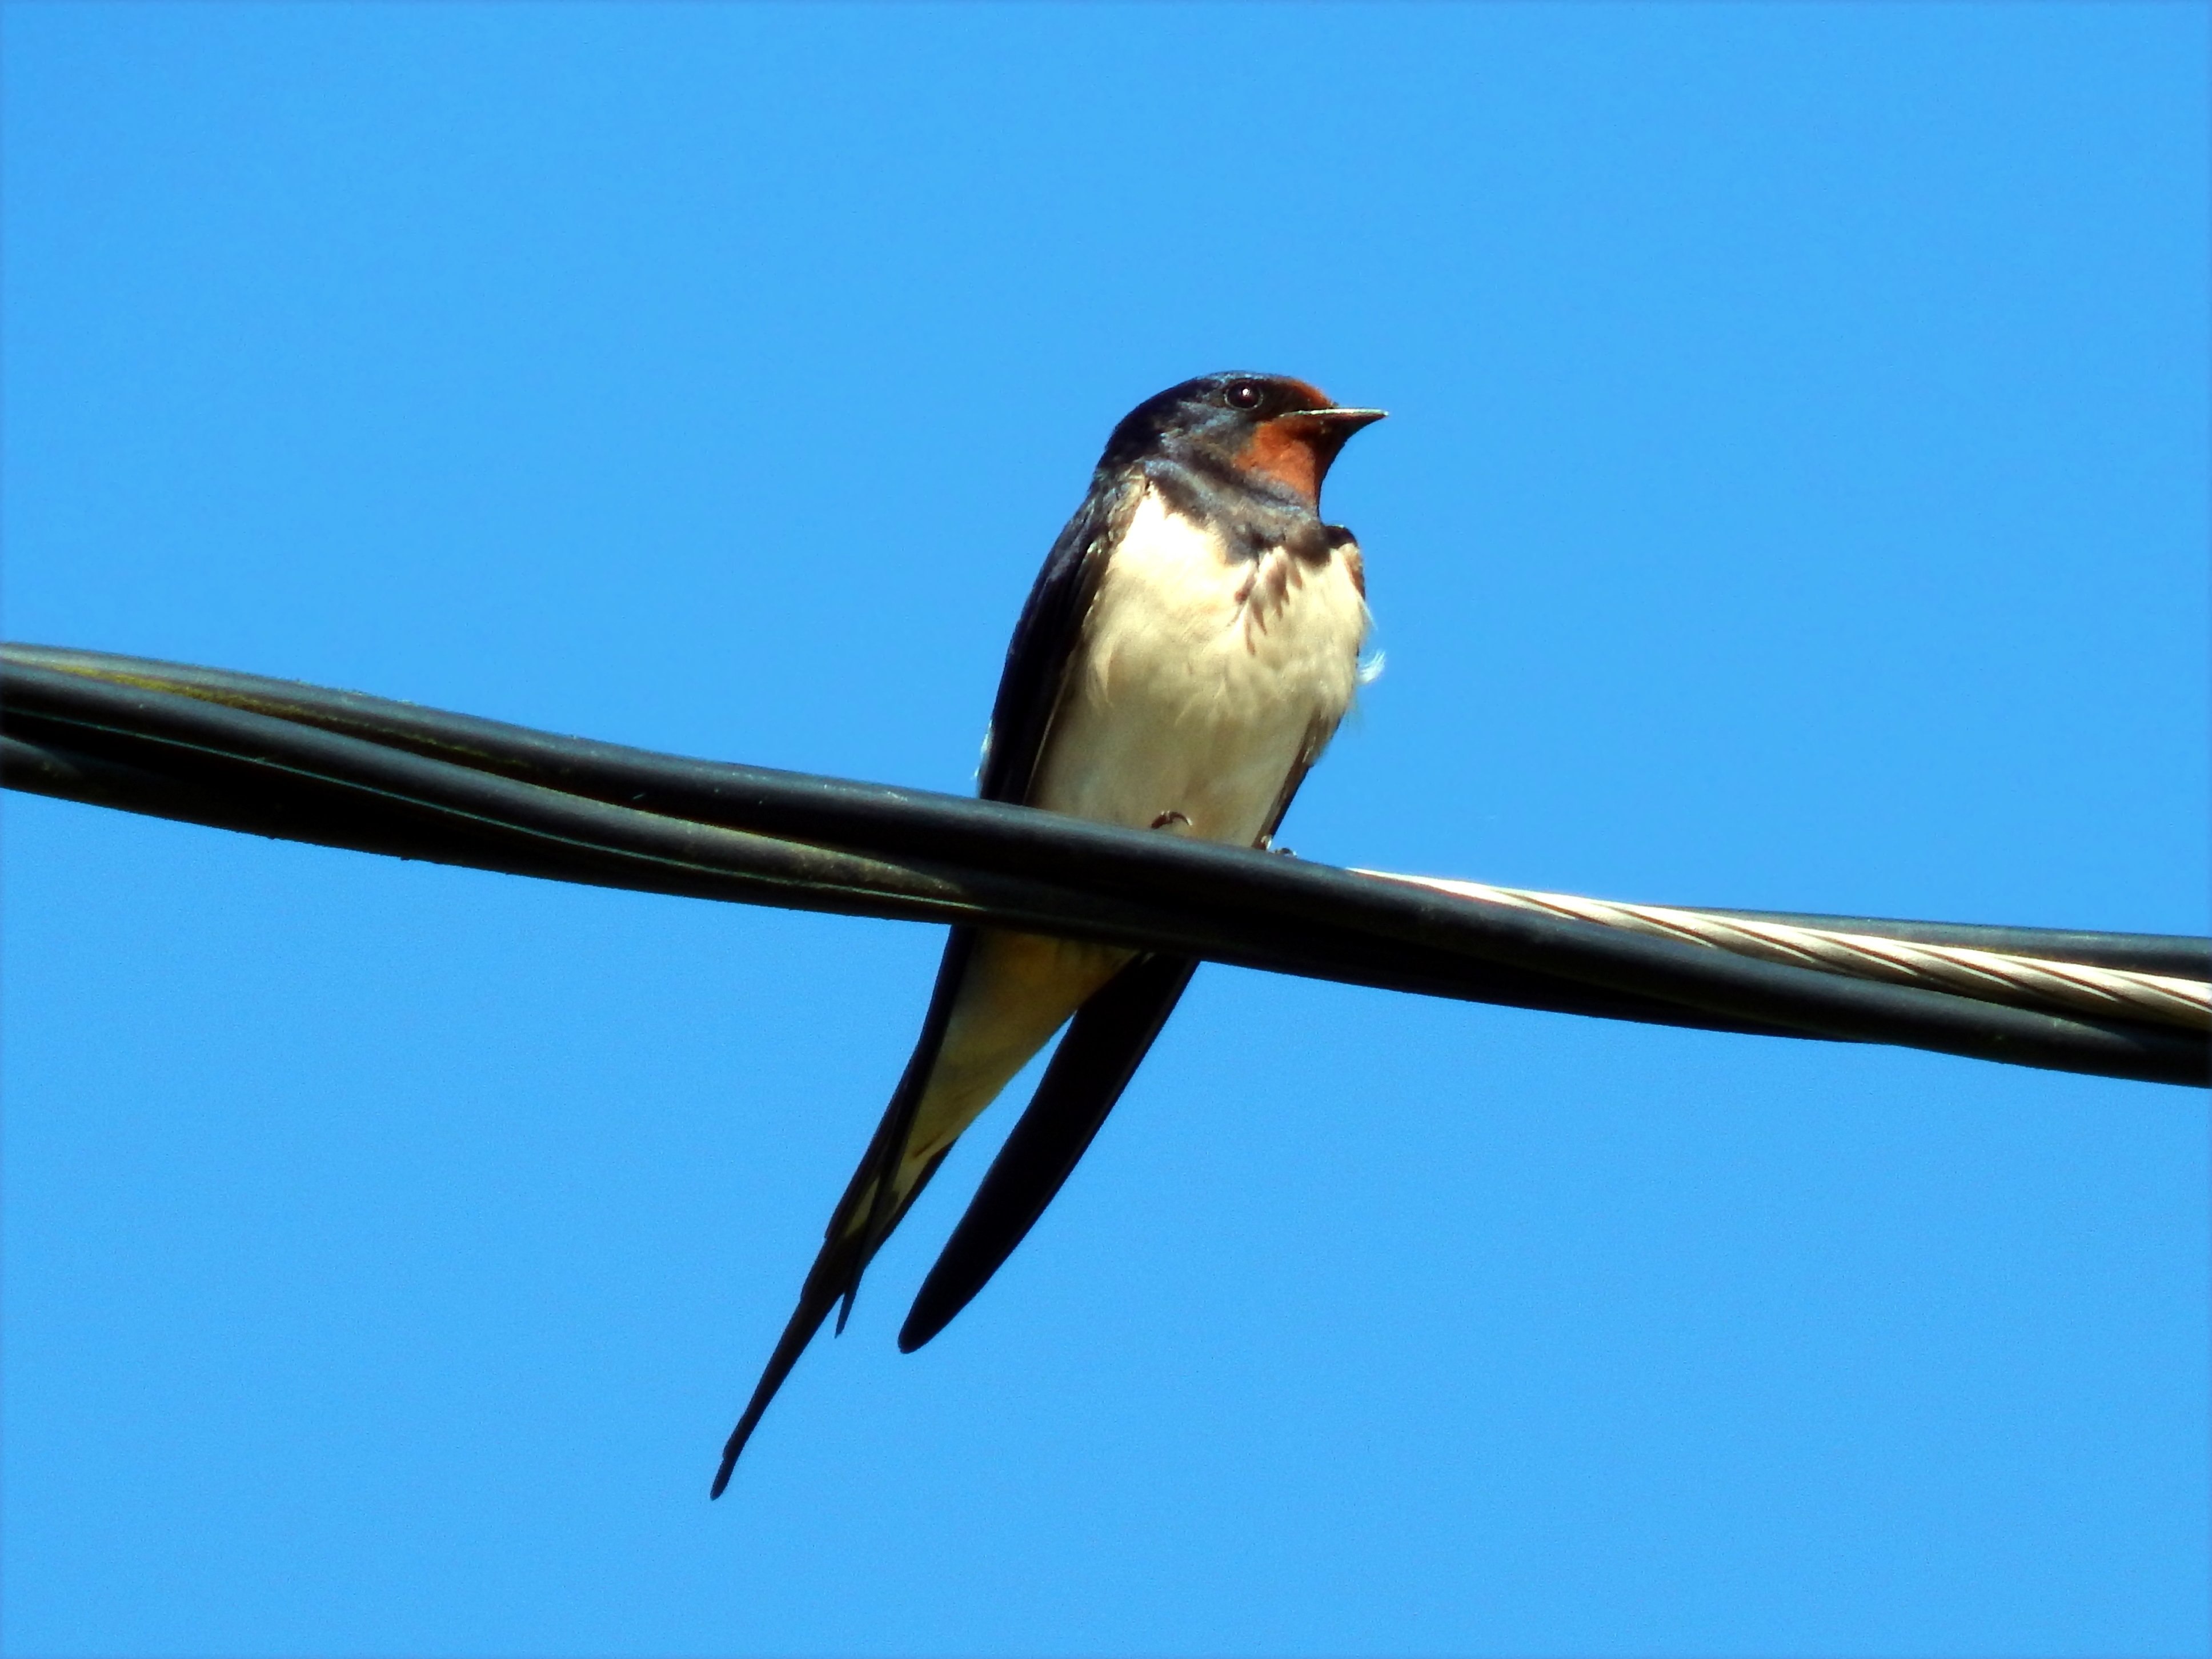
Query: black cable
{"type": "Point", "coordinates": [343, 770]}
{"type": "Point", "coordinates": [630, 849]}
{"type": "Point", "coordinates": [834, 811]}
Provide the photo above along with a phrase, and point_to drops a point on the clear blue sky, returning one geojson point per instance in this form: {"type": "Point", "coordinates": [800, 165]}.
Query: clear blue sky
{"type": "Point", "coordinates": [1795, 496]}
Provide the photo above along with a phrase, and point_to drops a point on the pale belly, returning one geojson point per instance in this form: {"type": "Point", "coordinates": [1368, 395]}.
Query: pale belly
{"type": "Point", "coordinates": [1200, 684]}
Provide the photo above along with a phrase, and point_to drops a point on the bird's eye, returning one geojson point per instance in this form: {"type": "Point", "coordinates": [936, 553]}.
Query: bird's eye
{"type": "Point", "coordinates": [1246, 394]}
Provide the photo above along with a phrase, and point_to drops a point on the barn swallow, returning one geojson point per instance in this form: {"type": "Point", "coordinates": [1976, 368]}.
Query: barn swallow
{"type": "Point", "coordinates": [1184, 657]}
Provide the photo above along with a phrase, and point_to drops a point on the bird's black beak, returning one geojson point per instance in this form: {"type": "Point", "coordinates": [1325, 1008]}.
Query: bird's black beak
{"type": "Point", "coordinates": [1325, 431]}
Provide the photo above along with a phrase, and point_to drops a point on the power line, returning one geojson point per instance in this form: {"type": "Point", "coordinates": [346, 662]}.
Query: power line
{"type": "Point", "coordinates": [338, 769]}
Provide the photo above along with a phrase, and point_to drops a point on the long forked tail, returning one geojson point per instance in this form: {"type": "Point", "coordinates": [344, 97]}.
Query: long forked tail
{"type": "Point", "coordinates": [825, 1284]}
{"type": "Point", "coordinates": [862, 1219]}
{"type": "Point", "coordinates": [1091, 1067]}
{"type": "Point", "coordinates": [845, 1255]}
{"type": "Point", "coordinates": [1113, 1028]}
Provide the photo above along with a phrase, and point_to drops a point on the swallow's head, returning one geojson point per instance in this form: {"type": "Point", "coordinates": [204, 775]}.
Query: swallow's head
{"type": "Point", "coordinates": [1277, 433]}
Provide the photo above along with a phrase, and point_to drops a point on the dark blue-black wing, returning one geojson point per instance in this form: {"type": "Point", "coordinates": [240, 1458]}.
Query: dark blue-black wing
{"type": "Point", "coordinates": [1021, 719]}
{"type": "Point", "coordinates": [1029, 688]}
{"type": "Point", "coordinates": [1045, 639]}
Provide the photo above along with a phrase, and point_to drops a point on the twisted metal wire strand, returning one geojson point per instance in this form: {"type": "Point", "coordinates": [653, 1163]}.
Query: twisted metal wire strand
{"type": "Point", "coordinates": [2023, 982]}
{"type": "Point", "coordinates": [339, 768]}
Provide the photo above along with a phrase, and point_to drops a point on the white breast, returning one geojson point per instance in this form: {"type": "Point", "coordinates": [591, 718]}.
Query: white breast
{"type": "Point", "coordinates": [1201, 680]}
